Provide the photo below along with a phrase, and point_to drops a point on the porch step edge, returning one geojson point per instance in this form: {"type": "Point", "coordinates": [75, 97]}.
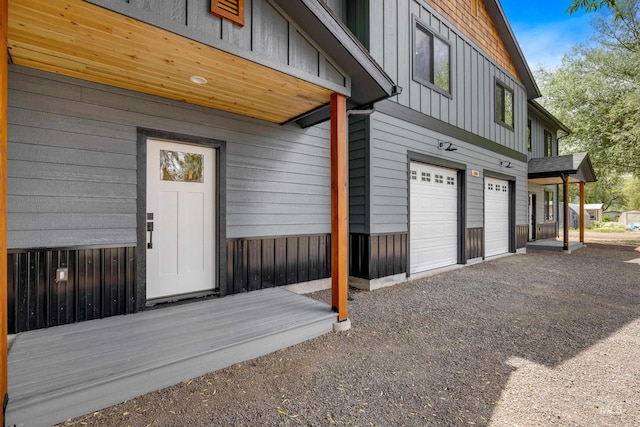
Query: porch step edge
{"type": "Point", "coordinates": [48, 410]}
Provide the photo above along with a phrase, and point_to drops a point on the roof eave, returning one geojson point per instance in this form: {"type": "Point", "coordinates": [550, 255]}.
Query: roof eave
{"type": "Point", "coordinates": [544, 112]}
{"type": "Point", "coordinates": [495, 11]}
{"type": "Point", "coordinates": [369, 82]}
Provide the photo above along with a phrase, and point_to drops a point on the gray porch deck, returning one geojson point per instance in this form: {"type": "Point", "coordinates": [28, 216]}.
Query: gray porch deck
{"type": "Point", "coordinates": [552, 245]}
{"type": "Point", "coordinates": [67, 371]}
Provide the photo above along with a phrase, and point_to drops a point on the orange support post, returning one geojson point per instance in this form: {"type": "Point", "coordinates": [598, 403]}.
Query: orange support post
{"type": "Point", "coordinates": [565, 196]}
{"type": "Point", "coordinates": [581, 212]}
{"type": "Point", "coordinates": [339, 220]}
{"type": "Point", "coordinates": [4, 77]}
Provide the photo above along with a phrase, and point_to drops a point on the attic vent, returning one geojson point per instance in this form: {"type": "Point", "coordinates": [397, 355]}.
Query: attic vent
{"type": "Point", "coordinates": [233, 10]}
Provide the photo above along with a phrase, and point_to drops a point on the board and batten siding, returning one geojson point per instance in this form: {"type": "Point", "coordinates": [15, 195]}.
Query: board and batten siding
{"type": "Point", "coordinates": [72, 164]}
{"type": "Point", "coordinates": [473, 73]}
{"type": "Point", "coordinates": [358, 173]}
{"type": "Point", "coordinates": [392, 138]}
{"type": "Point", "coordinates": [538, 126]}
{"type": "Point", "coordinates": [268, 37]}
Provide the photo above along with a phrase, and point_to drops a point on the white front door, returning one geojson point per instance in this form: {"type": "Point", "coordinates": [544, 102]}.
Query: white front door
{"type": "Point", "coordinates": [433, 234]}
{"type": "Point", "coordinates": [496, 216]}
{"type": "Point", "coordinates": [180, 210]}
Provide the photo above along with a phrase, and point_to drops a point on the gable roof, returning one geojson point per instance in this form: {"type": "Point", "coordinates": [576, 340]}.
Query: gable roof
{"type": "Point", "coordinates": [550, 170]}
{"type": "Point", "coordinates": [495, 11]}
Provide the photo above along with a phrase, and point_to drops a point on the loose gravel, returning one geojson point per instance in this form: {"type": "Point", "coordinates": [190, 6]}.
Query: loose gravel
{"type": "Point", "coordinates": [538, 339]}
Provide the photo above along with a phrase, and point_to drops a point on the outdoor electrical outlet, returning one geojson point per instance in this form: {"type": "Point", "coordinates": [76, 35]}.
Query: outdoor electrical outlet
{"type": "Point", "coordinates": [62, 275]}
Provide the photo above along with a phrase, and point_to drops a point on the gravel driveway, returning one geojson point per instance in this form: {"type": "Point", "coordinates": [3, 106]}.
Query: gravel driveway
{"type": "Point", "coordinates": [536, 339]}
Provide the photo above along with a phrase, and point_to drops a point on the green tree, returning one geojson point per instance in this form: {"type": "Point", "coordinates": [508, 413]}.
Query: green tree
{"type": "Point", "coordinates": [631, 190]}
{"type": "Point", "coordinates": [590, 5]}
{"type": "Point", "coordinates": [596, 92]}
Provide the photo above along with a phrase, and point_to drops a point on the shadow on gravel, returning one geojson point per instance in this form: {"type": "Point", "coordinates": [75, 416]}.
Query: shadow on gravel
{"type": "Point", "coordinates": [435, 351]}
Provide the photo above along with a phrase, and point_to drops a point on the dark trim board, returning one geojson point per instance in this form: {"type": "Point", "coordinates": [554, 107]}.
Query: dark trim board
{"type": "Point", "coordinates": [260, 263]}
{"type": "Point", "coordinates": [398, 111]}
{"type": "Point", "coordinates": [220, 212]}
{"type": "Point", "coordinates": [101, 283]}
{"type": "Point", "coordinates": [376, 256]}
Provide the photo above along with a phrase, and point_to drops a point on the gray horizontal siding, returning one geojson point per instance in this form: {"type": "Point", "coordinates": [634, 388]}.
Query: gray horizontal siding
{"type": "Point", "coordinates": [473, 73]}
{"type": "Point", "coordinates": [267, 37]}
{"type": "Point", "coordinates": [72, 164]}
{"type": "Point", "coordinates": [391, 138]}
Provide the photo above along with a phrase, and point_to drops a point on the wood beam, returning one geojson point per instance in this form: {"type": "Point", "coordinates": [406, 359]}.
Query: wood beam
{"type": "Point", "coordinates": [339, 220]}
{"type": "Point", "coordinates": [581, 212]}
{"type": "Point", "coordinates": [565, 197]}
{"type": "Point", "coordinates": [4, 78]}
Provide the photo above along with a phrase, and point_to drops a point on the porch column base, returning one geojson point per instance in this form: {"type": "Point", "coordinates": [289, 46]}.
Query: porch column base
{"type": "Point", "coordinates": [343, 326]}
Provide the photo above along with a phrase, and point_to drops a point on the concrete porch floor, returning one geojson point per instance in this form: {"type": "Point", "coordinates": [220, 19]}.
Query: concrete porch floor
{"type": "Point", "coordinates": [63, 372]}
{"type": "Point", "coordinates": [553, 245]}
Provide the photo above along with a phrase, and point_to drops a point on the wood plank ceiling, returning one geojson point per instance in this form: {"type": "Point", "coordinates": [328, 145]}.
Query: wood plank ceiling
{"type": "Point", "coordinates": [78, 39]}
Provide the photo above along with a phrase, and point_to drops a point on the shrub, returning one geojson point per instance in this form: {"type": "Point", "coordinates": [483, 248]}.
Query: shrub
{"type": "Point", "coordinates": [607, 227]}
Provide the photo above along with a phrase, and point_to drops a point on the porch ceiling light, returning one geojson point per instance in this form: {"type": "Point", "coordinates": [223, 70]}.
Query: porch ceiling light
{"type": "Point", "coordinates": [199, 80]}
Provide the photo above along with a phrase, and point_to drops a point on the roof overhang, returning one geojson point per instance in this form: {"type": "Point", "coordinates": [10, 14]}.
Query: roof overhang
{"type": "Point", "coordinates": [89, 42]}
{"type": "Point", "coordinates": [541, 111]}
{"type": "Point", "coordinates": [495, 11]}
{"type": "Point", "coordinates": [552, 170]}
{"type": "Point", "coordinates": [369, 82]}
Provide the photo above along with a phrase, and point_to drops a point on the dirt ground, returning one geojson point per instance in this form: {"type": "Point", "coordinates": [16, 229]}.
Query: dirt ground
{"type": "Point", "coordinates": [539, 339]}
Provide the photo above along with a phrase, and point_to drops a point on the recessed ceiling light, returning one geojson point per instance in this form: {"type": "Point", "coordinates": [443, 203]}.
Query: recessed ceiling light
{"type": "Point", "coordinates": [199, 80]}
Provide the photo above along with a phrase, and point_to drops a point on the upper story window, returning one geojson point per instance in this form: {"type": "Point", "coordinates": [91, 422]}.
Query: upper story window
{"type": "Point", "coordinates": [548, 144]}
{"type": "Point", "coordinates": [529, 135]}
{"type": "Point", "coordinates": [504, 105]}
{"type": "Point", "coordinates": [233, 10]}
{"type": "Point", "coordinates": [431, 60]}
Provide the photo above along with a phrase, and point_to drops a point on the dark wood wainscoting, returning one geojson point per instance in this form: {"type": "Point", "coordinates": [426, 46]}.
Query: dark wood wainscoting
{"type": "Point", "coordinates": [546, 230]}
{"type": "Point", "coordinates": [475, 242]}
{"type": "Point", "coordinates": [100, 283]}
{"type": "Point", "coordinates": [522, 235]}
{"type": "Point", "coordinates": [254, 264]}
{"type": "Point", "coordinates": [375, 256]}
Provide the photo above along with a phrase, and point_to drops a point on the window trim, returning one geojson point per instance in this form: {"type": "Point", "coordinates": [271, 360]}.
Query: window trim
{"type": "Point", "coordinates": [529, 135]}
{"type": "Point", "coordinates": [498, 118]}
{"type": "Point", "coordinates": [431, 85]}
{"type": "Point", "coordinates": [218, 10]}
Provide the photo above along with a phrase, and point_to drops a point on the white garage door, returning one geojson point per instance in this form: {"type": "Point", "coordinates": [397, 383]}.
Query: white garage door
{"type": "Point", "coordinates": [434, 217]}
{"type": "Point", "coordinates": [496, 216]}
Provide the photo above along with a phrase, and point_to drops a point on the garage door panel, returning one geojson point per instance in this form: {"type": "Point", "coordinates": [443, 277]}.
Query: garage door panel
{"type": "Point", "coordinates": [496, 216]}
{"type": "Point", "coordinates": [434, 217]}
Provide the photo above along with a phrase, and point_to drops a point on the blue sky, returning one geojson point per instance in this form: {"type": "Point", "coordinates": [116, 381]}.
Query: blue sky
{"type": "Point", "coordinates": [545, 33]}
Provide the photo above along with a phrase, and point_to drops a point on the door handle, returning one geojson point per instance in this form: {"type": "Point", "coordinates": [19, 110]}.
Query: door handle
{"type": "Point", "coordinates": [150, 230]}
